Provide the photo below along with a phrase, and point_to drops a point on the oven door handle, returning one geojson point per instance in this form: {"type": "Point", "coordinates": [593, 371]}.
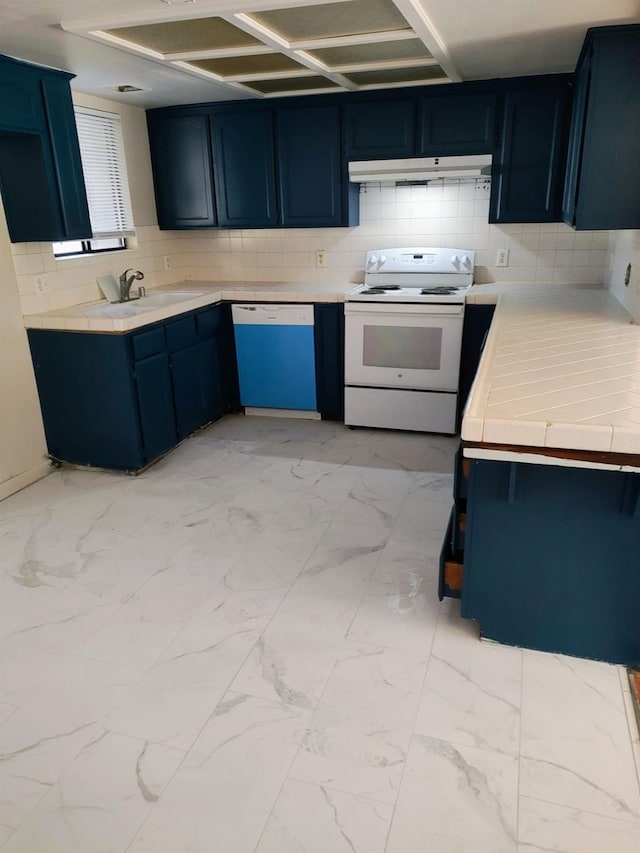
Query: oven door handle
{"type": "Point", "coordinates": [422, 309]}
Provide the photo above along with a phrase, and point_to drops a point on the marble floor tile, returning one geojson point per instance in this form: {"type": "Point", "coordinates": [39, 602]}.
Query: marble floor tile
{"type": "Point", "coordinates": [376, 498]}
{"type": "Point", "coordinates": [101, 800]}
{"type": "Point", "coordinates": [401, 607]}
{"type": "Point", "coordinates": [241, 649]}
{"type": "Point", "coordinates": [319, 820]}
{"type": "Point", "coordinates": [222, 795]}
{"type": "Point", "coordinates": [575, 744]}
{"type": "Point", "coordinates": [455, 798]}
{"type": "Point", "coordinates": [177, 695]}
{"type": "Point", "coordinates": [54, 724]}
{"type": "Point", "coordinates": [549, 827]}
{"type": "Point", "coordinates": [359, 734]}
{"type": "Point", "coordinates": [472, 693]}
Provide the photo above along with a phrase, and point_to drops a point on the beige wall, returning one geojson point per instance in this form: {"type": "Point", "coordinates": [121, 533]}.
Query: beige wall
{"type": "Point", "coordinates": [23, 448]}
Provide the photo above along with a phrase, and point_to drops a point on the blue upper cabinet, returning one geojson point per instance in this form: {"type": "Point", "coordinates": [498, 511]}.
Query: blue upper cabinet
{"type": "Point", "coordinates": [528, 165]}
{"type": "Point", "coordinates": [40, 166]}
{"type": "Point", "coordinates": [181, 158]}
{"type": "Point", "coordinates": [456, 124]}
{"type": "Point", "coordinates": [312, 179]}
{"type": "Point", "coordinates": [63, 134]}
{"type": "Point", "coordinates": [378, 130]}
{"type": "Point", "coordinates": [602, 191]}
{"type": "Point", "coordinates": [244, 169]}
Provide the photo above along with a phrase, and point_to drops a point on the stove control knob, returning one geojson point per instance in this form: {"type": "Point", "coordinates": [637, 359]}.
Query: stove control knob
{"type": "Point", "coordinates": [465, 260]}
{"type": "Point", "coordinates": [455, 260]}
{"type": "Point", "coordinates": [382, 259]}
{"type": "Point", "coordinates": [372, 261]}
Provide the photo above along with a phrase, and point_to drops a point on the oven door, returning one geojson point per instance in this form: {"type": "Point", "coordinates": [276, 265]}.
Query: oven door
{"type": "Point", "coordinates": [392, 345]}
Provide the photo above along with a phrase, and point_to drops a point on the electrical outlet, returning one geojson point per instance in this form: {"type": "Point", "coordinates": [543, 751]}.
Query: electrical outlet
{"type": "Point", "coordinates": [167, 262]}
{"type": "Point", "coordinates": [41, 283]}
{"type": "Point", "coordinates": [627, 275]}
{"type": "Point", "coordinates": [502, 258]}
{"type": "Point", "coordinates": [321, 258]}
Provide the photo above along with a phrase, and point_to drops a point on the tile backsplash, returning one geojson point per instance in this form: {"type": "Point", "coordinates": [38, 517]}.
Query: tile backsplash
{"type": "Point", "coordinates": [453, 214]}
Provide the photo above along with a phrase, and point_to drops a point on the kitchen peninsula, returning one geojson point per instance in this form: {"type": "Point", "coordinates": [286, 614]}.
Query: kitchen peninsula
{"type": "Point", "coordinates": [551, 439]}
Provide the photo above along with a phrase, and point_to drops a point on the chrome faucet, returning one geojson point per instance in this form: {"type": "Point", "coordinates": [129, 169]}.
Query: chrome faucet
{"type": "Point", "coordinates": [125, 283]}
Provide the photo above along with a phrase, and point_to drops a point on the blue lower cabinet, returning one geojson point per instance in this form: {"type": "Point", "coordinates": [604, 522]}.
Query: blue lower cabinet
{"type": "Point", "coordinates": [89, 399]}
{"type": "Point", "coordinates": [186, 391]}
{"type": "Point", "coordinates": [209, 374]}
{"type": "Point", "coordinates": [550, 559]}
{"type": "Point", "coordinates": [329, 354]}
{"type": "Point", "coordinates": [155, 403]}
{"type": "Point", "coordinates": [121, 401]}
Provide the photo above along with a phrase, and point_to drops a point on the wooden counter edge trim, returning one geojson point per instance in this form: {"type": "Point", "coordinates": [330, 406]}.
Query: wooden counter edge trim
{"type": "Point", "coordinates": [604, 457]}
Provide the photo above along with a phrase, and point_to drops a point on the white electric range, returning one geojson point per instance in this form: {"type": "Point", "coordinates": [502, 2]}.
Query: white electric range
{"type": "Point", "coordinates": [403, 335]}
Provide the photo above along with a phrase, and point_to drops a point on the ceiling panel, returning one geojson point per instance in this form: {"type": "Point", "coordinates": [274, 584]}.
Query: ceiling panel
{"type": "Point", "coordinates": [291, 84]}
{"type": "Point", "coordinates": [371, 52]}
{"type": "Point", "coordinates": [232, 66]}
{"type": "Point", "coordinates": [184, 36]}
{"type": "Point", "coordinates": [389, 76]}
{"type": "Point", "coordinates": [354, 17]}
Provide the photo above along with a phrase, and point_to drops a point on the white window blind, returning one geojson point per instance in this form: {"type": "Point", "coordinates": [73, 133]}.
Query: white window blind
{"type": "Point", "coordinates": [105, 172]}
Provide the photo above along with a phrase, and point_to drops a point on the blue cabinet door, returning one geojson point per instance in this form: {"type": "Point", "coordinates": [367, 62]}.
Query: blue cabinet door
{"type": "Point", "coordinates": [41, 176]}
{"type": "Point", "coordinates": [312, 177]}
{"type": "Point", "coordinates": [244, 169]}
{"type": "Point", "coordinates": [155, 404]}
{"type": "Point", "coordinates": [329, 352]}
{"type": "Point", "coordinates": [74, 211]}
{"type": "Point", "coordinates": [456, 124]}
{"type": "Point", "coordinates": [20, 95]}
{"type": "Point", "coordinates": [528, 168]}
{"type": "Point", "coordinates": [89, 400]}
{"type": "Point", "coordinates": [209, 379]}
{"type": "Point", "coordinates": [604, 180]}
{"type": "Point", "coordinates": [546, 561]}
{"type": "Point", "coordinates": [381, 129]}
{"type": "Point", "coordinates": [186, 391]}
{"type": "Point", "coordinates": [182, 170]}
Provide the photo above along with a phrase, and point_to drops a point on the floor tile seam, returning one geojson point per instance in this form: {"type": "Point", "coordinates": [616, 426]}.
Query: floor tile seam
{"type": "Point", "coordinates": [50, 785]}
{"type": "Point", "coordinates": [519, 778]}
{"type": "Point", "coordinates": [413, 729]}
{"type": "Point", "coordinates": [634, 822]}
{"type": "Point", "coordinates": [50, 675]}
{"type": "Point", "coordinates": [331, 787]}
{"type": "Point", "coordinates": [634, 730]}
{"type": "Point", "coordinates": [377, 563]}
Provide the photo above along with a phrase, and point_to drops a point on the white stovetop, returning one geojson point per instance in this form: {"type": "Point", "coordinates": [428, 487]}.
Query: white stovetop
{"type": "Point", "coordinates": [561, 369]}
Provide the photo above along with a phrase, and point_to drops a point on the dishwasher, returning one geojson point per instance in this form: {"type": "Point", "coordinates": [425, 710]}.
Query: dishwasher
{"type": "Point", "coordinates": [275, 352]}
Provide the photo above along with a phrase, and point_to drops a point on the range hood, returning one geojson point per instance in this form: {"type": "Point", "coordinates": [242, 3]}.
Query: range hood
{"type": "Point", "coordinates": [420, 169]}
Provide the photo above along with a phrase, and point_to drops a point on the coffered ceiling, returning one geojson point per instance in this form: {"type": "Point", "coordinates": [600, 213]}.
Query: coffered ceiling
{"type": "Point", "coordinates": [162, 52]}
{"type": "Point", "coordinates": [301, 48]}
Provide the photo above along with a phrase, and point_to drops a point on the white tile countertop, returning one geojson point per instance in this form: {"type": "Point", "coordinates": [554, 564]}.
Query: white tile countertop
{"type": "Point", "coordinates": [96, 316]}
{"type": "Point", "coordinates": [560, 369]}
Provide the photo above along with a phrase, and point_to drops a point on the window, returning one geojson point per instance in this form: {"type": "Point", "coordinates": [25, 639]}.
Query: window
{"type": "Point", "coordinates": [105, 176]}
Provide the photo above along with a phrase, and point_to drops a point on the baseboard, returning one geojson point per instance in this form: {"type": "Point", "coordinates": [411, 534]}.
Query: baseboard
{"type": "Point", "coordinates": [21, 481]}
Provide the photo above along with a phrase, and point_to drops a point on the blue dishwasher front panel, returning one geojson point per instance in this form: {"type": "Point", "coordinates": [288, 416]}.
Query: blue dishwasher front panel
{"type": "Point", "coordinates": [276, 366]}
